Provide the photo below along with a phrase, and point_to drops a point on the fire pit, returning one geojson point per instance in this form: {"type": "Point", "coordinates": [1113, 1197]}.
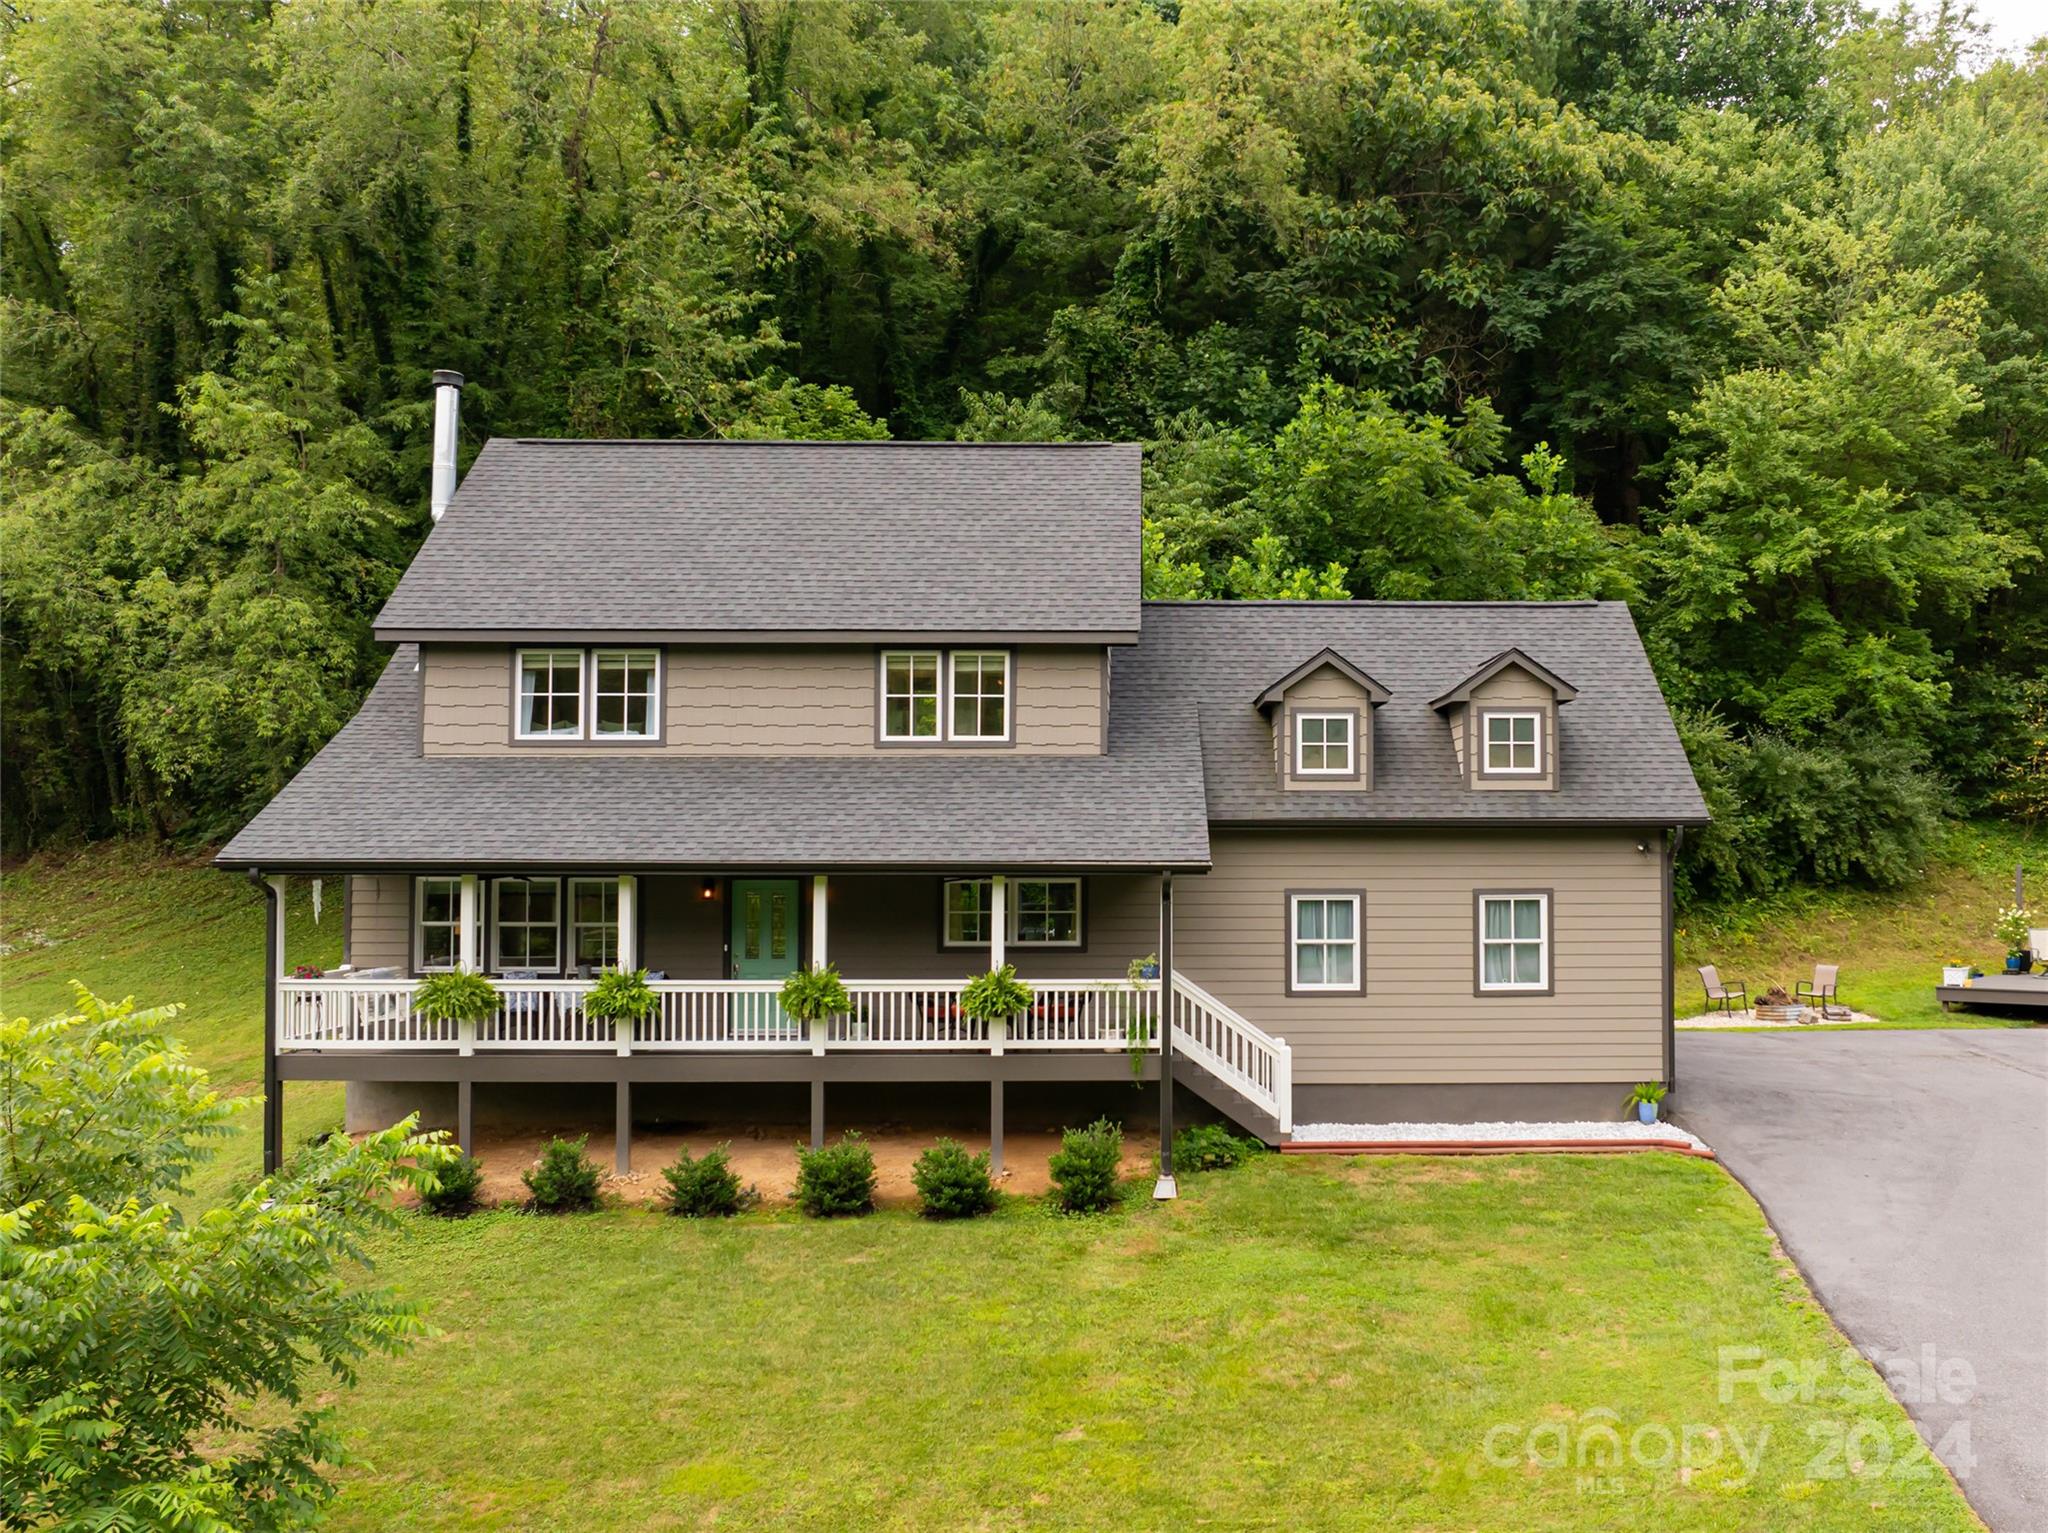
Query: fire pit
{"type": "Point", "coordinates": [1774, 1005]}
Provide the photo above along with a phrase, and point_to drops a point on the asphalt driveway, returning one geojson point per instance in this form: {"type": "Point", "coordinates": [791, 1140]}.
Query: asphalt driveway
{"type": "Point", "coordinates": [1907, 1173]}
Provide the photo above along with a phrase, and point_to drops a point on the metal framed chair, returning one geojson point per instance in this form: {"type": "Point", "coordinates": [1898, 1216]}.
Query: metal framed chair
{"type": "Point", "coordinates": [1821, 989]}
{"type": "Point", "coordinates": [1723, 996]}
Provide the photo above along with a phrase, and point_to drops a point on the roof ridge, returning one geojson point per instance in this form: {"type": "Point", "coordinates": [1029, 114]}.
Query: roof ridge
{"type": "Point", "coordinates": [1270, 604]}
{"type": "Point", "coordinates": [716, 441]}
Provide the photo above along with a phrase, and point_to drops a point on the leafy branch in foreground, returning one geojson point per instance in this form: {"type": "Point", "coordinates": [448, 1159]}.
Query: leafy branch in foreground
{"type": "Point", "coordinates": [155, 1371]}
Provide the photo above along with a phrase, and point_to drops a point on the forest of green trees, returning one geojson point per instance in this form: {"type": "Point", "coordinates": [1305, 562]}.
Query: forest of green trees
{"type": "Point", "coordinates": [1735, 309]}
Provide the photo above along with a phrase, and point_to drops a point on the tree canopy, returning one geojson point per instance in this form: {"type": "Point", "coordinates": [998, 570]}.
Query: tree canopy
{"type": "Point", "coordinates": [1736, 310]}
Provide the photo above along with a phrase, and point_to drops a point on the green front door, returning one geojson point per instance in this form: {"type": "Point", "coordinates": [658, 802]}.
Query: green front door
{"type": "Point", "coordinates": [766, 944]}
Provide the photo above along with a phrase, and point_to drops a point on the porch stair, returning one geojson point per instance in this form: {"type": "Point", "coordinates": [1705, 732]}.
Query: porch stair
{"type": "Point", "coordinates": [1231, 1063]}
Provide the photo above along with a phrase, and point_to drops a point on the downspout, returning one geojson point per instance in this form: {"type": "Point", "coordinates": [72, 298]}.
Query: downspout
{"type": "Point", "coordinates": [1672, 843]}
{"type": "Point", "coordinates": [273, 969]}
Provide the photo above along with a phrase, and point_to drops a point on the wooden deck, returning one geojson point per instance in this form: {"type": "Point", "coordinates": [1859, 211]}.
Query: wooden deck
{"type": "Point", "coordinates": [2021, 992]}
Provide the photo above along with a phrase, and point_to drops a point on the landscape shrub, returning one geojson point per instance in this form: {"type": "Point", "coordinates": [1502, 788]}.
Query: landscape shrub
{"type": "Point", "coordinates": [1211, 1147]}
{"type": "Point", "coordinates": [1084, 1171]}
{"type": "Point", "coordinates": [566, 1179]}
{"type": "Point", "coordinates": [837, 1179]}
{"type": "Point", "coordinates": [455, 1186]}
{"type": "Point", "coordinates": [953, 1184]}
{"type": "Point", "coordinates": [705, 1186]}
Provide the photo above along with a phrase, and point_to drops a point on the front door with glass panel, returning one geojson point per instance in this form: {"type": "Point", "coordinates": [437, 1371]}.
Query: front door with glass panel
{"type": "Point", "coordinates": [766, 944]}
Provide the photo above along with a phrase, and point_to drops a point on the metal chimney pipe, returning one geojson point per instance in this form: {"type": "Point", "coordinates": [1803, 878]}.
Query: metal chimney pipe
{"type": "Point", "coordinates": [447, 417]}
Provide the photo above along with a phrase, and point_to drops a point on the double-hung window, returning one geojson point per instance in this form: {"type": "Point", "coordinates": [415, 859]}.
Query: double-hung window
{"type": "Point", "coordinates": [550, 699]}
{"type": "Point", "coordinates": [910, 694]}
{"type": "Point", "coordinates": [529, 923]}
{"type": "Point", "coordinates": [1323, 746]}
{"type": "Point", "coordinates": [437, 924]}
{"type": "Point", "coordinates": [627, 698]}
{"type": "Point", "coordinates": [1037, 912]}
{"type": "Point", "coordinates": [1514, 942]}
{"type": "Point", "coordinates": [1323, 934]}
{"type": "Point", "coordinates": [981, 695]}
{"type": "Point", "coordinates": [594, 922]}
{"type": "Point", "coordinates": [1514, 743]}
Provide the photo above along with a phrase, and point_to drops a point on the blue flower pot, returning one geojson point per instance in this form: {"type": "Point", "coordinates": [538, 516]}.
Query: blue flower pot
{"type": "Point", "coordinates": [1646, 1112]}
{"type": "Point", "coordinates": [1149, 971]}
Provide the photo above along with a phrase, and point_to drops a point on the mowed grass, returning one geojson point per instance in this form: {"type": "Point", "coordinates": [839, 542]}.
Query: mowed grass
{"type": "Point", "coordinates": [124, 920]}
{"type": "Point", "coordinates": [1301, 1343]}
{"type": "Point", "coordinates": [1891, 944]}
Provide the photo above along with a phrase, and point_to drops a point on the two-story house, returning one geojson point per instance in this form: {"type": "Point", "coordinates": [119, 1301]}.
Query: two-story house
{"type": "Point", "coordinates": [721, 709]}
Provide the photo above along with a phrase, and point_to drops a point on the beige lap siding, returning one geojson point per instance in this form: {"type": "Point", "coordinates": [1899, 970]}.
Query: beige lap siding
{"type": "Point", "coordinates": [1418, 1020]}
{"type": "Point", "coordinates": [769, 701]}
{"type": "Point", "coordinates": [379, 910]}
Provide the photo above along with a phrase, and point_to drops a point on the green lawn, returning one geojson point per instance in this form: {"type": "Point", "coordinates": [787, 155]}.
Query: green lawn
{"type": "Point", "coordinates": [1891, 945]}
{"type": "Point", "coordinates": [1303, 1343]}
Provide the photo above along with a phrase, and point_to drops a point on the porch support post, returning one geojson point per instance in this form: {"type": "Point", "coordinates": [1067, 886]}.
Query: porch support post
{"type": "Point", "coordinates": [465, 1116]}
{"type": "Point", "coordinates": [998, 900]}
{"type": "Point", "coordinates": [1165, 1186]}
{"type": "Point", "coordinates": [273, 976]}
{"type": "Point", "coordinates": [818, 959]}
{"type": "Point", "coordinates": [817, 1112]}
{"type": "Point", "coordinates": [622, 1133]}
{"type": "Point", "coordinates": [466, 957]}
{"type": "Point", "coordinates": [629, 922]}
{"type": "Point", "coordinates": [995, 1127]}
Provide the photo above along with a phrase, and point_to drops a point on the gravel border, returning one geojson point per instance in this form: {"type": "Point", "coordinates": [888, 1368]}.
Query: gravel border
{"type": "Point", "coordinates": [1411, 1133]}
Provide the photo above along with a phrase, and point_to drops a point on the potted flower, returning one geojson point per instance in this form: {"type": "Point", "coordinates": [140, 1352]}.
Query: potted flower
{"type": "Point", "coordinates": [995, 996]}
{"type": "Point", "coordinates": [623, 997]}
{"type": "Point", "coordinates": [1137, 1028]}
{"type": "Point", "coordinates": [1955, 972]}
{"type": "Point", "coordinates": [1644, 1100]}
{"type": "Point", "coordinates": [811, 995]}
{"type": "Point", "coordinates": [2013, 927]}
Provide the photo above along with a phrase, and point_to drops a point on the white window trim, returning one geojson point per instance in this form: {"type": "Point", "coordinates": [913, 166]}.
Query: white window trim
{"type": "Point", "coordinates": [595, 659]}
{"type": "Point", "coordinates": [498, 963]}
{"type": "Point", "coordinates": [939, 669]}
{"type": "Point", "coordinates": [419, 924]}
{"type": "Point", "coordinates": [1010, 907]}
{"type": "Point", "coordinates": [1350, 766]}
{"type": "Point", "coordinates": [1486, 742]}
{"type": "Point", "coordinates": [574, 926]}
{"type": "Point", "coordinates": [1542, 981]}
{"type": "Point", "coordinates": [582, 691]}
{"type": "Point", "coordinates": [1356, 942]}
{"type": "Point", "coordinates": [951, 690]}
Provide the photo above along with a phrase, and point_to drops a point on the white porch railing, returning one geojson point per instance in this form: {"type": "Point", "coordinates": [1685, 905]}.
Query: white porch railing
{"type": "Point", "coordinates": [373, 1015]}
{"type": "Point", "coordinates": [1251, 1061]}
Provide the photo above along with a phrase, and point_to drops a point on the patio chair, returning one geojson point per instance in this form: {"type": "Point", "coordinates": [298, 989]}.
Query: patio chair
{"type": "Point", "coordinates": [1821, 989]}
{"type": "Point", "coordinates": [1722, 995]}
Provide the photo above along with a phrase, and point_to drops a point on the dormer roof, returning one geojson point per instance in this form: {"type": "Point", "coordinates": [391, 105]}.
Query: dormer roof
{"type": "Point", "coordinates": [1462, 692]}
{"type": "Point", "coordinates": [781, 543]}
{"type": "Point", "coordinates": [1324, 657]}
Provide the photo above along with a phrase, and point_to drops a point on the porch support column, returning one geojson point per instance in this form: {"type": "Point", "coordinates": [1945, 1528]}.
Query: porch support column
{"type": "Point", "coordinates": [466, 956]}
{"type": "Point", "coordinates": [995, 1127]}
{"type": "Point", "coordinates": [465, 1116]}
{"type": "Point", "coordinates": [629, 922]}
{"type": "Point", "coordinates": [818, 959]}
{"type": "Point", "coordinates": [273, 976]}
{"type": "Point", "coordinates": [998, 900]}
{"type": "Point", "coordinates": [1165, 1186]}
{"type": "Point", "coordinates": [817, 1112]}
{"type": "Point", "coordinates": [622, 1132]}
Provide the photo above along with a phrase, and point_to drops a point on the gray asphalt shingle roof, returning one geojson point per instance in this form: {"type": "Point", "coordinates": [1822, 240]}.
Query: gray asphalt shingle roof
{"type": "Point", "coordinates": [652, 539]}
{"type": "Point", "coordinates": [1619, 758]}
{"type": "Point", "coordinates": [371, 798]}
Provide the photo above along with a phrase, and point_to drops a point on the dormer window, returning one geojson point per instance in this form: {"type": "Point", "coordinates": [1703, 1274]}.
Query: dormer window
{"type": "Point", "coordinates": [910, 694]}
{"type": "Point", "coordinates": [1325, 745]}
{"type": "Point", "coordinates": [1514, 742]}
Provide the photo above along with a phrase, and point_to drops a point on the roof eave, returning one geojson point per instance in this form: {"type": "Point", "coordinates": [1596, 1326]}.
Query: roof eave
{"type": "Point", "coordinates": [406, 634]}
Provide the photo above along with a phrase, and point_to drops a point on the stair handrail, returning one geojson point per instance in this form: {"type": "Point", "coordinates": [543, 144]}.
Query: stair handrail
{"type": "Point", "coordinates": [1275, 1096]}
